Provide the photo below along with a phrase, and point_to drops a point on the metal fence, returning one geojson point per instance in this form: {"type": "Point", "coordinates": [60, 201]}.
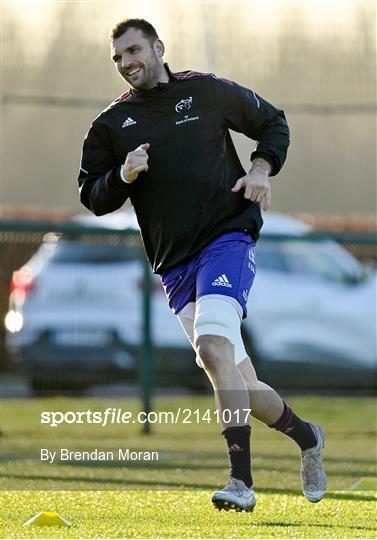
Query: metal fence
{"type": "Point", "coordinates": [19, 241]}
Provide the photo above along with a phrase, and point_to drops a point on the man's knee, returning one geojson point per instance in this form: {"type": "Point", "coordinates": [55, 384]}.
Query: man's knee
{"type": "Point", "coordinates": [216, 329]}
{"type": "Point", "coordinates": [214, 351]}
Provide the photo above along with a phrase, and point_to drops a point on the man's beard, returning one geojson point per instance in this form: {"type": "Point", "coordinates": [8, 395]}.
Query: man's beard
{"type": "Point", "coordinates": [149, 76]}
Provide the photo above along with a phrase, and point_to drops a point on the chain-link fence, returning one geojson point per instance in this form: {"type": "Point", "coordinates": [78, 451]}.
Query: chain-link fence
{"type": "Point", "coordinates": [81, 307]}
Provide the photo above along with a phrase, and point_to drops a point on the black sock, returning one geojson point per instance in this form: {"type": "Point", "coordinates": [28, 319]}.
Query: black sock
{"type": "Point", "coordinates": [238, 441]}
{"type": "Point", "coordinates": [295, 428]}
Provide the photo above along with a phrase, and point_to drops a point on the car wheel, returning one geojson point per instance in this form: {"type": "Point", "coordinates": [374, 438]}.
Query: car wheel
{"type": "Point", "coordinates": [43, 388]}
{"type": "Point", "coordinates": [200, 385]}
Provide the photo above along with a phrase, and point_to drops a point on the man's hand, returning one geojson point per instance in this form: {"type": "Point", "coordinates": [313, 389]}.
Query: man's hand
{"type": "Point", "coordinates": [136, 162]}
{"type": "Point", "coordinates": [256, 184]}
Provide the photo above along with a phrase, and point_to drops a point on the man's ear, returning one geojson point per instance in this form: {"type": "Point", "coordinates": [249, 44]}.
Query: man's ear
{"type": "Point", "coordinates": [159, 47]}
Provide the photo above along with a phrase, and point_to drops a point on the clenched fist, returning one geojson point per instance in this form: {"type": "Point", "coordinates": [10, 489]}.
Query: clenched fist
{"type": "Point", "coordinates": [136, 162]}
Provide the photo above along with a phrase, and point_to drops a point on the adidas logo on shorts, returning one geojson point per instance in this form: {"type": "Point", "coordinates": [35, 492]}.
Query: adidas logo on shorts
{"type": "Point", "coordinates": [221, 281]}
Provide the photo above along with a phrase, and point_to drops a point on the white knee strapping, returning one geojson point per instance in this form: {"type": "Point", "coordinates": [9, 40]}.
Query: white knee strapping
{"type": "Point", "coordinates": [217, 315]}
{"type": "Point", "coordinates": [187, 316]}
{"type": "Point", "coordinates": [220, 315]}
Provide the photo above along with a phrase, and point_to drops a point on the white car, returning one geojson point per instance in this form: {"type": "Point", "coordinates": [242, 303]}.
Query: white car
{"type": "Point", "coordinates": [75, 312]}
{"type": "Point", "coordinates": [312, 310]}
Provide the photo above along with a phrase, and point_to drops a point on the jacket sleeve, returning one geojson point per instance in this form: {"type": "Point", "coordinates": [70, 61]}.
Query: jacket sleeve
{"type": "Point", "coordinates": [101, 189]}
{"type": "Point", "coordinates": [246, 112]}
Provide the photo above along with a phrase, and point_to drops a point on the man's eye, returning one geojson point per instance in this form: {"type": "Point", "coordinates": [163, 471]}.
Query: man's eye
{"type": "Point", "coordinates": [116, 59]}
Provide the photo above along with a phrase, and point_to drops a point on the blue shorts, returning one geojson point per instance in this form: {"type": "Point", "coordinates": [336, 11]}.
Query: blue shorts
{"type": "Point", "coordinates": [226, 266]}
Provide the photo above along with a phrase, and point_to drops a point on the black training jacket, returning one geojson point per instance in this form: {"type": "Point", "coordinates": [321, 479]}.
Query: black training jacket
{"type": "Point", "coordinates": [184, 201]}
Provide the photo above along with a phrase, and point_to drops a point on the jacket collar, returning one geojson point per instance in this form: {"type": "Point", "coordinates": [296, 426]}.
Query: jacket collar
{"type": "Point", "coordinates": [158, 87]}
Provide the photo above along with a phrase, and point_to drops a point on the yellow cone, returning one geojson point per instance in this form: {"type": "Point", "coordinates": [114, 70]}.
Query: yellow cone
{"type": "Point", "coordinates": [48, 518]}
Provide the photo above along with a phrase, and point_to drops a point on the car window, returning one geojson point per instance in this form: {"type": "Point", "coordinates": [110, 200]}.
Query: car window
{"type": "Point", "coordinates": [322, 259]}
{"type": "Point", "coordinates": [343, 258]}
{"type": "Point", "coordinates": [71, 252]}
{"type": "Point", "coordinates": [269, 256]}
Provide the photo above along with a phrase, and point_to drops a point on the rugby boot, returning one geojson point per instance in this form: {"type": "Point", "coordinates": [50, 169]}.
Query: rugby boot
{"type": "Point", "coordinates": [235, 496]}
{"type": "Point", "coordinates": [313, 475]}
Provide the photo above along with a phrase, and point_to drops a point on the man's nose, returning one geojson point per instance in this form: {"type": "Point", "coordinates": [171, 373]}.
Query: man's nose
{"type": "Point", "coordinates": [126, 62]}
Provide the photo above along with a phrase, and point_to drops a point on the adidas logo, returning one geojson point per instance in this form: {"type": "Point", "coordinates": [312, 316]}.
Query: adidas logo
{"type": "Point", "coordinates": [235, 448]}
{"type": "Point", "coordinates": [129, 122]}
{"type": "Point", "coordinates": [222, 281]}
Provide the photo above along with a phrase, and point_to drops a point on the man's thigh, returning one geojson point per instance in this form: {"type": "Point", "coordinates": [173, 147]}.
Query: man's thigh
{"type": "Point", "coordinates": [223, 319]}
{"type": "Point", "coordinates": [211, 290]}
{"type": "Point", "coordinates": [179, 285]}
{"type": "Point", "coordinates": [226, 267]}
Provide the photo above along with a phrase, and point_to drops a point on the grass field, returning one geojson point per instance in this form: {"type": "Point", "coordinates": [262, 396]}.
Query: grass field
{"type": "Point", "coordinates": [170, 497]}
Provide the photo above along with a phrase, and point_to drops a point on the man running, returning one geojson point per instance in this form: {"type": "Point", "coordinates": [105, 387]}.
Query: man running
{"type": "Point", "coordinates": [165, 144]}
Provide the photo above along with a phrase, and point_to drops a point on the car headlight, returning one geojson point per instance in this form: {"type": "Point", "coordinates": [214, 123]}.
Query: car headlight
{"type": "Point", "coordinates": [13, 321]}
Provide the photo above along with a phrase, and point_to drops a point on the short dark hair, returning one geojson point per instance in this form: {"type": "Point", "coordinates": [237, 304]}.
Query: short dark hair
{"type": "Point", "coordinates": [121, 28]}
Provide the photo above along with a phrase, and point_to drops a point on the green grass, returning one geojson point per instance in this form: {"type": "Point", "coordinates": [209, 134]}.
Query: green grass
{"type": "Point", "coordinates": [170, 498]}
{"type": "Point", "coordinates": [187, 514]}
